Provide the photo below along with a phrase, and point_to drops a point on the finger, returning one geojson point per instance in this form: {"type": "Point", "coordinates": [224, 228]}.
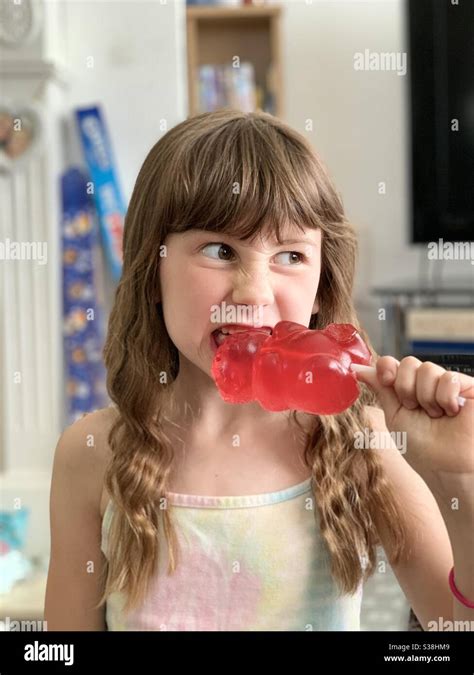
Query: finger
{"type": "Point", "coordinates": [449, 386]}
{"type": "Point", "coordinates": [427, 378]}
{"type": "Point", "coordinates": [385, 394]}
{"type": "Point", "coordinates": [452, 384]}
{"type": "Point", "coordinates": [405, 382]}
{"type": "Point", "coordinates": [368, 375]}
{"type": "Point", "coordinates": [387, 367]}
{"type": "Point", "coordinates": [467, 385]}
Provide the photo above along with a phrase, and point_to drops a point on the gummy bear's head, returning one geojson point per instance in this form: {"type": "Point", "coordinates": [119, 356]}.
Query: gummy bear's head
{"type": "Point", "coordinates": [333, 339]}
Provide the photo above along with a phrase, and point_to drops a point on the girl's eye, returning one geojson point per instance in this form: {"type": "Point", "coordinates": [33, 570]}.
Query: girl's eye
{"type": "Point", "coordinates": [217, 246]}
{"type": "Point", "coordinates": [302, 257]}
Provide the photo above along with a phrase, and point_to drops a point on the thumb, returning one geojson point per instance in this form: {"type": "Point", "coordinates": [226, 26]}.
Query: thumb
{"type": "Point", "coordinates": [386, 394]}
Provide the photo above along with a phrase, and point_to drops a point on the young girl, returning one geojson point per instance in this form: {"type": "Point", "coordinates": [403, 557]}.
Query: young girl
{"type": "Point", "coordinates": [173, 510]}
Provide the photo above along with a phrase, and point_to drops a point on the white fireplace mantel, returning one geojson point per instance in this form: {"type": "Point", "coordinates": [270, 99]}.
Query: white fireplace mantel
{"type": "Point", "coordinates": [31, 362]}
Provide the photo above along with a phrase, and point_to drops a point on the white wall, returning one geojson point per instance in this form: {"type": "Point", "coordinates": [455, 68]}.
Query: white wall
{"type": "Point", "coordinates": [359, 128]}
{"type": "Point", "coordinates": [128, 56]}
{"type": "Point", "coordinates": [137, 52]}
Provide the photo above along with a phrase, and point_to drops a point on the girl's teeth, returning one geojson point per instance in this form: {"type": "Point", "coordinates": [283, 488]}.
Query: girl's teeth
{"type": "Point", "coordinates": [220, 337]}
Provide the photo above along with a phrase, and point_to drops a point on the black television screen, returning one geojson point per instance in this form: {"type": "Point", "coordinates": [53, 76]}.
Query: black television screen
{"type": "Point", "coordinates": [441, 58]}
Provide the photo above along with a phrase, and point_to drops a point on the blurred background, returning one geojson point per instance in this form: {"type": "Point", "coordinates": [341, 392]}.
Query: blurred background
{"type": "Point", "coordinates": [383, 89]}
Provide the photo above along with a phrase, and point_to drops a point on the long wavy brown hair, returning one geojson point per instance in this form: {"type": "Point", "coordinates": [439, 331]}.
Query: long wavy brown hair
{"type": "Point", "coordinates": [187, 181]}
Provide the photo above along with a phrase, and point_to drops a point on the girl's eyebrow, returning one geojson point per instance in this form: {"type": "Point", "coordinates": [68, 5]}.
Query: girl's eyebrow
{"type": "Point", "coordinates": [303, 240]}
{"type": "Point", "coordinates": [299, 241]}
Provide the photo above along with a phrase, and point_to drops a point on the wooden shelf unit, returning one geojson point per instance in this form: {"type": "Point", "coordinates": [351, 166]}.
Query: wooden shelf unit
{"type": "Point", "coordinates": [253, 33]}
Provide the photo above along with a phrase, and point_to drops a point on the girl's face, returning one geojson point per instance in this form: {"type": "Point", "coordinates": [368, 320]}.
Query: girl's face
{"type": "Point", "coordinates": [205, 276]}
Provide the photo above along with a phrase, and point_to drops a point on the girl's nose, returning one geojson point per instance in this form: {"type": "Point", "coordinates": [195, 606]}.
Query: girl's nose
{"type": "Point", "coordinates": [253, 289]}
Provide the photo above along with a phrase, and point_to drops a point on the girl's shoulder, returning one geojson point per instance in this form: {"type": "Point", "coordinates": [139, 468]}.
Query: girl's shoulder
{"type": "Point", "coordinates": [94, 428]}
{"type": "Point", "coordinates": [83, 450]}
{"type": "Point", "coordinates": [99, 421]}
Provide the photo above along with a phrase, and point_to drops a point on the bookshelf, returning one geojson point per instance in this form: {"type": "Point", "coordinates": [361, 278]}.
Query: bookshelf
{"type": "Point", "coordinates": [216, 35]}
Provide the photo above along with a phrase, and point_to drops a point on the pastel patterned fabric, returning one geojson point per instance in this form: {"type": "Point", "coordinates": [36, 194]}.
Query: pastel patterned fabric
{"type": "Point", "coordinates": [247, 563]}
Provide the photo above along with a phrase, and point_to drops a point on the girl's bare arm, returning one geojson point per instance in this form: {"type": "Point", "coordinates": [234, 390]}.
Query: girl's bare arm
{"type": "Point", "coordinates": [424, 577]}
{"type": "Point", "coordinates": [73, 585]}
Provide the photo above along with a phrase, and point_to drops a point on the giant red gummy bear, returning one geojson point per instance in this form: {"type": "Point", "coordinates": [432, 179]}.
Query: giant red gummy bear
{"type": "Point", "coordinates": [294, 368]}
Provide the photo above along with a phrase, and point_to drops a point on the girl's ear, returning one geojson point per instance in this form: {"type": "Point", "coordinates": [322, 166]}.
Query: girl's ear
{"type": "Point", "coordinates": [315, 306]}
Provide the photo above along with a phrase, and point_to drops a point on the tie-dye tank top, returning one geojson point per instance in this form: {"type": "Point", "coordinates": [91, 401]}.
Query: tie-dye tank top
{"type": "Point", "coordinates": [250, 563]}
